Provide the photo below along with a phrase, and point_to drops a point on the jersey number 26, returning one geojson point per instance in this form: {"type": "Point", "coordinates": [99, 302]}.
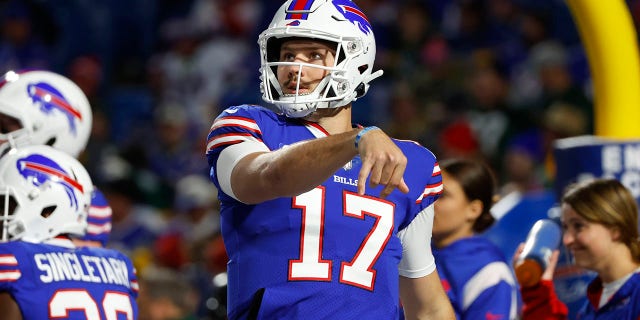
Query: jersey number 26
{"type": "Point", "coordinates": [113, 303]}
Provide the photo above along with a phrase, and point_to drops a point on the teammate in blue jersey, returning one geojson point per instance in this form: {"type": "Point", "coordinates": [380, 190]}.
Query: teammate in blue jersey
{"type": "Point", "coordinates": [322, 219]}
{"type": "Point", "coordinates": [98, 222]}
{"type": "Point", "coordinates": [474, 272]}
{"type": "Point", "coordinates": [45, 195]}
{"type": "Point", "coordinates": [41, 107]}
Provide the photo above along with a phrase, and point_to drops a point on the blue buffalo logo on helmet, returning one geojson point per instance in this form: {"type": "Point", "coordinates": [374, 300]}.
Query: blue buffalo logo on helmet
{"type": "Point", "coordinates": [41, 170]}
{"type": "Point", "coordinates": [50, 99]}
{"type": "Point", "coordinates": [300, 10]}
{"type": "Point", "coordinates": [351, 12]}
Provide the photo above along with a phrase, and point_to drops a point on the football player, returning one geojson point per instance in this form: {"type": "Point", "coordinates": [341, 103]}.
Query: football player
{"type": "Point", "coordinates": [45, 195]}
{"type": "Point", "coordinates": [41, 107]}
{"type": "Point", "coordinates": [306, 237]}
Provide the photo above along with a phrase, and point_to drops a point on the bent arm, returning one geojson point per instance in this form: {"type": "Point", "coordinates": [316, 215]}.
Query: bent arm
{"type": "Point", "coordinates": [289, 171]}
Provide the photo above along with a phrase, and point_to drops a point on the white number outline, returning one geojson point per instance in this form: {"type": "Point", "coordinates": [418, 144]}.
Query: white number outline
{"type": "Point", "coordinates": [113, 303]}
{"type": "Point", "coordinates": [359, 271]}
{"type": "Point", "coordinates": [310, 266]}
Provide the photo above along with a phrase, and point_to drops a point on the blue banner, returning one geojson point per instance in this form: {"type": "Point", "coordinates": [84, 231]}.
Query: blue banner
{"type": "Point", "coordinates": [588, 157]}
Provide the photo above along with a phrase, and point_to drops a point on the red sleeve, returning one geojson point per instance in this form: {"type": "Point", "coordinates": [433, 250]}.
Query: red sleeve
{"type": "Point", "coordinates": [541, 303]}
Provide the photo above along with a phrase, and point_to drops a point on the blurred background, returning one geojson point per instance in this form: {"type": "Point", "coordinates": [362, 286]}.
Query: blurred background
{"type": "Point", "coordinates": [497, 80]}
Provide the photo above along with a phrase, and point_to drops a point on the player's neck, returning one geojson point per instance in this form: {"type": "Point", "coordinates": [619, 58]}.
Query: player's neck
{"type": "Point", "coordinates": [61, 241]}
{"type": "Point", "coordinates": [335, 121]}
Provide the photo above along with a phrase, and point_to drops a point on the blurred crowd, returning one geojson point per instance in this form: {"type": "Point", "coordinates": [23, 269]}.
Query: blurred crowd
{"type": "Point", "coordinates": [497, 80]}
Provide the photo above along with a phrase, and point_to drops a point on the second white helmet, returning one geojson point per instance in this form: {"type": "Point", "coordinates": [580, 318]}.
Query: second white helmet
{"type": "Point", "coordinates": [51, 110]}
{"type": "Point", "coordinates": [44, 193]}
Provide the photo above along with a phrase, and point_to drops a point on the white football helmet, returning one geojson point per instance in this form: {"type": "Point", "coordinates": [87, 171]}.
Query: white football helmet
{"type": "Point", "coordinates": [337, 21]}
{"type": "Point", "coordinates": [51, 110]}
{"type": "Point", "coordinates": [44, 193]}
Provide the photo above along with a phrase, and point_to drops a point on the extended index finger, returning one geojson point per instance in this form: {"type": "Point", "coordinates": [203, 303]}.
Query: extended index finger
{"type": "Point", "coordinates": [365, 170]}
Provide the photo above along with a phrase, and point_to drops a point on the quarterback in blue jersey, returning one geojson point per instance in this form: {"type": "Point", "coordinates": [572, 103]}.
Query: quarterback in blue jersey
{"type": "Point", "coordinates": [307, 236]}
{"type": "Point", "coordinates": [45, 196]}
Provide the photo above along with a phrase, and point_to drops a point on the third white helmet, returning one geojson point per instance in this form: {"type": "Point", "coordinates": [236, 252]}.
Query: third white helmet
{"type": "Point", "coordinates": [50, 108]}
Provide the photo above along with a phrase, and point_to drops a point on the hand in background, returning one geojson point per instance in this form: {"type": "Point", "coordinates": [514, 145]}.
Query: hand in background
{"type": "Point", "coordinates": [551, 268]}
{"type": "Point", "coordinates": [547, 274]}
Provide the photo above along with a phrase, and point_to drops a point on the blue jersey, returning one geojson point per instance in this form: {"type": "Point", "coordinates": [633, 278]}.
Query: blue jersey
{"type": "Point", "coordinates": [478, 280]}
{"type": "Point", "coordinates": [99, 219]}
{"type": "Point", "coordinates": [623, 305]}
{"type": "Point", "coordinates": [52, 281]}
{"type": "Point", "coordinates": [328, 253]}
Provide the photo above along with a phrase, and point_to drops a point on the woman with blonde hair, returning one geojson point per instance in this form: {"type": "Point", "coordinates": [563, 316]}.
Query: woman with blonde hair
{"type": "Point", "coordinates": [600, 223]}
{"type": "Point", "coordinates": [600, 229]}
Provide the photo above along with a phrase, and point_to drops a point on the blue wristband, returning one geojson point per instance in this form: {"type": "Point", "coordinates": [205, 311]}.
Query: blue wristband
{"type": "Point", "coordinates": [362, 132]}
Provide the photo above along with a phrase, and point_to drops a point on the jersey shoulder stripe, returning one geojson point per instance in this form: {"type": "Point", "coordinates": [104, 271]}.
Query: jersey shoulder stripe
{"type": "Point", "coordinates": [8, 260]}
{"type": "Point", "coordinates": [10, 275]}
{"type": "Point", "coordinates": [236, 121]}
{"type": "Point", "coordinates": [434, 188]}
{"type": "Point", "coordinates": [229, 139]}
{"type": "Point", "coordinates": [235, 125]}
{"type": "Point", "coordinates": [100, 212]}
{"type": "Point", "coordinates": [99, 220]}
{"type": "Point", "coordinates": [9, 268]}
{"type": "Point", "coordinates": [96, 228]}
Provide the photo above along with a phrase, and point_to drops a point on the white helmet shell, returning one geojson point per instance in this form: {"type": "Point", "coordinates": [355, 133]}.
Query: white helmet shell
{"type": "Point", "coordinates": [51, 109]}
{"type": "Point", "coordinates": [44, 193]}
{"type": "Point", "coordinates": [337, 21]}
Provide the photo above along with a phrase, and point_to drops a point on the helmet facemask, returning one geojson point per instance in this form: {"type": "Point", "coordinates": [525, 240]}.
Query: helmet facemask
{"type": "Point", "coordinates": [8, 225]}
{"type": "Point", "coordinates": [13, 131]}
{"type": "Point", "coordinates": [330, 92]}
